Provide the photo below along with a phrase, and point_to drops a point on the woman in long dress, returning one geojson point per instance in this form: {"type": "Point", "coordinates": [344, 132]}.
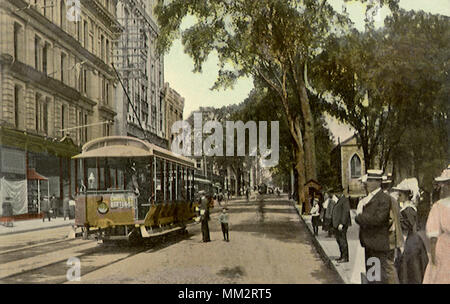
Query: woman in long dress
{"type": "Point", "coordinates": [438, 231]}
{"type": "Point", "coordinates": [413, 260]}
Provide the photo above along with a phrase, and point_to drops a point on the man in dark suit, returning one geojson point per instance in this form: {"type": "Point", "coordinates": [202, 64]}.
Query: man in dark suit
{"type": "Point", "coordinates": [380, 231]}
{"type": "Point", "coordinates": [341, 220]}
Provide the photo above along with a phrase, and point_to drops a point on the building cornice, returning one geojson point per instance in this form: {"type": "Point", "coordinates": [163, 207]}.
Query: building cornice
{"type": "Point", "coordinates": [28, 74]}
{"type": "Point", "coordinates": [63, 37]}
{"type": "Point", "coordinates": [106, 17]}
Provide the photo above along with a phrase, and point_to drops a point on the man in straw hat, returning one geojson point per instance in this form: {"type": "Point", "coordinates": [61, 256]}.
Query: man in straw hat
{"type": "Point", "coordinates": [438, 231]}
{"type": "Point", "coordinates": [380, 231]}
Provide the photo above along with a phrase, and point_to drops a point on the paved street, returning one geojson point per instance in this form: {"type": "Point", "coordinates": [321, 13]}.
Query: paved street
{"type": "Point", "coordinates": [268, 244]}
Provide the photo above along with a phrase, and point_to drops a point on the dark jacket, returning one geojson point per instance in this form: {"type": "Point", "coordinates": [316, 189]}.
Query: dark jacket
{"type": "Point", "coordinates": [380, 223]}
{"type": "Point", "coordinates": [341, 213]}
{"type": "Point", "coordinates": [53, 202]}
{"type": "Point", "coordinates": [45, 205]}
{"type": "Point", "coordinates": [66, 203]}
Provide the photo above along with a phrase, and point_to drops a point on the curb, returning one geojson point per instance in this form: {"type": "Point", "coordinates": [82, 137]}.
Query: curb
{"type": "Point", "coordinates": [35, 229]}
{"type": "Point", "coordinates": [319, 248]}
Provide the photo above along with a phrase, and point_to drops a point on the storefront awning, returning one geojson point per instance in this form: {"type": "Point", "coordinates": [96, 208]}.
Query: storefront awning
{"type": "Point", "coordinates": [33, 175]}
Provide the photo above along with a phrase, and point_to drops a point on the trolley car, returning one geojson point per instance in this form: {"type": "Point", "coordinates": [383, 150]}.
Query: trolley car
{"type": "Point", "coordinates": [132, 189]}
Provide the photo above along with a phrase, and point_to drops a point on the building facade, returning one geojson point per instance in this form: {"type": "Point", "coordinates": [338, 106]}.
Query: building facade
{"type": "Point", "coordinates": [140, 102]}
{"type": "Point", "coordinates": [55, 75]}
{"type": "Point", "coordinates": [174, 110]}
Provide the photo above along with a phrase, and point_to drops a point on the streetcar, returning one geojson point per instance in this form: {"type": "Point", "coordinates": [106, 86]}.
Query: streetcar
{"type": "Point", "coordinates": [131, 189]}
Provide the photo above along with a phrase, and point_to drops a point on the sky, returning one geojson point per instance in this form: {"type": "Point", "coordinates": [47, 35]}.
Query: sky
{"type": "Point", "coordinates": [195, 87]}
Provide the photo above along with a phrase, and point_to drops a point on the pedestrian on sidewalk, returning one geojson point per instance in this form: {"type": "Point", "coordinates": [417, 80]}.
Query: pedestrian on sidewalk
{"type": "Point", "coordinates": [66, 208]}
{"type": "Point", "coordinates": [315, 216]}
{"type": "Point", "coordinates": [223, 219]}
{"type": "Point", "coordinates": [53, 205]}
{"type": "Point", "coordinates": [45, 208]}
{"type": "Point", "coordinates": [380, 231]}
{"type": "Point", "coordinates": [341, 220]}
{"type": "Point", "coordinates": [323, 211]}
{"type": "Point", "coordinates": [438, 231]}
{"type": "Point", "coordinates": [413, 260]}
{"type": "Point", "coordinates": [328, 214]}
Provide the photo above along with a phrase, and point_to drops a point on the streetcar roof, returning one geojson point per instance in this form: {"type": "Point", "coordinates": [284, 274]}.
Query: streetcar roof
{"type": "Point", "coordinates": [126, 147]}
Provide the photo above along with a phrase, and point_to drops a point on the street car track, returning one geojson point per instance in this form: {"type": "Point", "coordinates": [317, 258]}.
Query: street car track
{"type": "Point", "coordinates": [91, 259]}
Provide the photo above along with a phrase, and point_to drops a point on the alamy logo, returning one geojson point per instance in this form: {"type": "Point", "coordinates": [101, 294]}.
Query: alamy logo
{"type": "Point", "coordinates": [373, 273]}
{"type": "Point", "coordinates": [74, 10]}
{"type": "Point", "coordinates": [74, 272]}
{"type": "Point", "coordinates": [213, 144]}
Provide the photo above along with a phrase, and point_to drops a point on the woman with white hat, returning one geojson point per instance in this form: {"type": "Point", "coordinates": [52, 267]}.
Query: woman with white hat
{"type": "Point", "coordinates": [413, 260]}
{"type": "Point", "coordinates": [438, 231]}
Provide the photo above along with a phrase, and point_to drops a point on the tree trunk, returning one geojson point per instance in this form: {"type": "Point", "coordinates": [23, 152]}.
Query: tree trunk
{"type": "Point", "coordinates": [299, 167]}
{"type": "Point", "coordinates": [309, 142]}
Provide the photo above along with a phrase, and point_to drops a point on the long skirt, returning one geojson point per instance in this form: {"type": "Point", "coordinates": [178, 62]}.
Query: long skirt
{"type": "Point", "coordinates": [413, 262]}
{"type": "Point", "coordinates": [205, 231]}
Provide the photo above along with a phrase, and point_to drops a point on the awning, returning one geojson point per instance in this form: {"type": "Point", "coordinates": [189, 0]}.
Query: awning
{"type": "Point", "coordinates": [33, 175]}
{"type": "Point", "coordinates": [115, 151]}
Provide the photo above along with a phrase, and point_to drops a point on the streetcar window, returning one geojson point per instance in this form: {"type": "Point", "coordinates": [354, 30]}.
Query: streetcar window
{"type": "Point", "coordinates": [159, 194]}
{"type": "Point", "coordinates": [180, 195]}
{"type": "Point", "coordinates": [91, 172]}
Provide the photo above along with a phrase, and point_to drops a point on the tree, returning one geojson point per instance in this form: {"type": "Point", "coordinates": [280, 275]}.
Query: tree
{"type": "Point", "coordinates": [271, 40]}
{"type": "Point", "coordinates": [383, 82]}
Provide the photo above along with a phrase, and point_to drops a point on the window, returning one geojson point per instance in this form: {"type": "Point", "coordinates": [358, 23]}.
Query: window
{"type": "Point", "coordinates": [63, 118]}
{"type": "Point", "coordinates": [102, 47]}
{"type": "Point", "coordinates": [85, 129]}
{"type": "Point", "coordinates": [355, 166]}
{"type": "Point", "coordinates": [62, 67]}
{"type": "Point", "coordinates": [37, 59]}
{"type": "Point", "coordinates": [17, 29]}
{"type": "Point", "coordinates": [85, 34]}
{"type": "Point", "coordinates": [36, 111]}
{"type": "Point", "coordinates": [16, 106]}
{"type": "Point", "coordinates": [45, 58]}
{"type": "Point", "coordinates": [84, 81]}
{"type": "Point", "coordinates": [62, 14]}
{"type": "Point", "coordinates": [45, 116]}
{"type": "Point", "coordinates": [107, 52]}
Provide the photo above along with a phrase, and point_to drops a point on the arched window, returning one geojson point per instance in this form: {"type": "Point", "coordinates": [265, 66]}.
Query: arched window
{"type": "Point", "coordinates": [355, 166]}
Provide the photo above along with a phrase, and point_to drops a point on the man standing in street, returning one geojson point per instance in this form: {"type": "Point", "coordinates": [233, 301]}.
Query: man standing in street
{"type": "Point", "coordinates": [54, 205]}
{"type": "Point", "coordinates": [380, 231]}
{"type": "Point", "coordinates": [223, 219]}
{"type": "Point", "coordinates": [45, 208]}
{"type": "Point", "coordinates": [66, 208]}
{"type": "Point", "coordinates": [341, 220]}
{"type": "Point", "coordinates": [204, 215]}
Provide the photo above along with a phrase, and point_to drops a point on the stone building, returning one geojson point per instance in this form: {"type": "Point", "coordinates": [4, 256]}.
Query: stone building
{"type": "Point", "coordinates": [347, 158]}
{"type": "Point", "coordinates": [55, 75]}
{"type": "Point", "coordinates": [142, 112]}
{"type": "Point", "coordinates": [174, 110]}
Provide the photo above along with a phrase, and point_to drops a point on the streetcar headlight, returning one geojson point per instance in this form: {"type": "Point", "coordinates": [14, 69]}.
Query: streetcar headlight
{"type": "Point", "coordinates": [102, 208]}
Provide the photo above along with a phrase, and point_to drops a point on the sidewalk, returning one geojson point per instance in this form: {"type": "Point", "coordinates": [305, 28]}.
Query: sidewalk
{"type": "Point", "coordinates": [37, 224]}
{"type": "Point", "coordinates": [350, 272]}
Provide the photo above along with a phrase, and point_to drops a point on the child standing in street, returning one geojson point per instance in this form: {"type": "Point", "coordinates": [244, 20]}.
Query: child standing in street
{"type": "Point", "coordinates": [315, 213]}
{"type": "Point", "coordinates": [223, 219]}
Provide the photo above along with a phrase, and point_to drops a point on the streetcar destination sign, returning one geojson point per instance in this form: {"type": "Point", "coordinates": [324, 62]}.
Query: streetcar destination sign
{"type": "Point", "coordinates": [121, 201]}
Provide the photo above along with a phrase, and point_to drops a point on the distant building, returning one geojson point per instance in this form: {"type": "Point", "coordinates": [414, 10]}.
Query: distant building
{"type": "Point", "coordinates": [55, 76]}
{"type": "Point", "coordinates": [174, 110]}
{"type": "Point", "coordinates": [142, 73]}
{"type": "Point", "coordinates": [347, 160]}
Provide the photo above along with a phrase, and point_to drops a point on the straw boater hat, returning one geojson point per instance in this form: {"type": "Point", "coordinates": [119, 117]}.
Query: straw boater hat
{"type": "Point", "coordinates": [445, 175]}
{"type": "Point", "coordinates": [372, 175]}
{"type": "Point", "coordinates": [387, 179]}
